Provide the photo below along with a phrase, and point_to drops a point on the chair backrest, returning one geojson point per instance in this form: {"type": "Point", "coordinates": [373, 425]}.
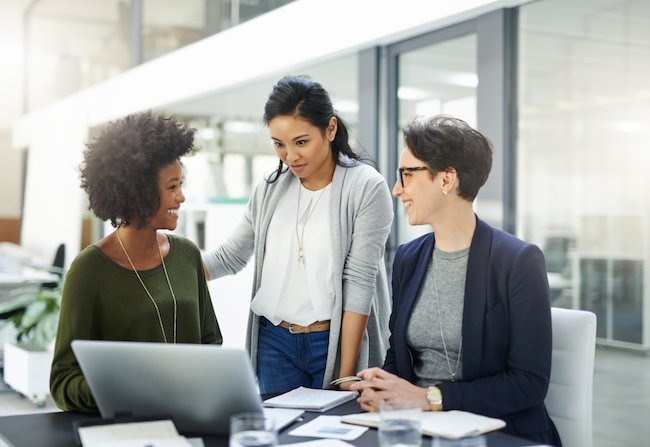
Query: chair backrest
{"type": "Point", "coordinates": [570, 392]}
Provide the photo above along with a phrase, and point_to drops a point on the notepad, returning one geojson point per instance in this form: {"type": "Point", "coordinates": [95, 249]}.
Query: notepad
{"type": "Point", "coordinates": [310, 399]}
{"type": "Point", "coordinates": [151, 433]}
{"type": "Point", "coordinates": [453, 424]}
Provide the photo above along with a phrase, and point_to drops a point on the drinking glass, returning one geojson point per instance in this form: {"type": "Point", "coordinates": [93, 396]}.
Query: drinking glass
{"type": "Point", "coordinates": [399, 424]}
{"type": "Point", "coordinates": [252, 430]}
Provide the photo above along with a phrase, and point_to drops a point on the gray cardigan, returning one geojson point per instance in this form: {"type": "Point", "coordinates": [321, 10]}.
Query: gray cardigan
{"type": "Point", "coordinates": [361, 216]}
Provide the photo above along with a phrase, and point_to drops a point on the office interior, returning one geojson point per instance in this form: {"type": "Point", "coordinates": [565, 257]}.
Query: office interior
{"type": "Point", "coordinates": [561, 87]}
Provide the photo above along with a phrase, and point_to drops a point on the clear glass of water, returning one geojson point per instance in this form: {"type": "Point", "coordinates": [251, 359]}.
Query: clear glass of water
{"type": "Point", "coordinates": [252, 430]}
{"type": "Point", "coordinates": [399, 424]}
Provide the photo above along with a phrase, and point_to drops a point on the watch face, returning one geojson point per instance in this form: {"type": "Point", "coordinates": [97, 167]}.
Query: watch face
{"type": "Point", "coordinates": [433, 395]}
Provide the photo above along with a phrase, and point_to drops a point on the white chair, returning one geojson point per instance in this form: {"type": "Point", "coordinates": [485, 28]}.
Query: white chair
{"type": "Point", "coordinates": [570, 392]}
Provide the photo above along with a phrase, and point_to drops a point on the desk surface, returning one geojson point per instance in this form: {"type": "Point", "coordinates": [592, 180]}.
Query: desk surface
{"type": "Point", "coordinates": [55, 429]}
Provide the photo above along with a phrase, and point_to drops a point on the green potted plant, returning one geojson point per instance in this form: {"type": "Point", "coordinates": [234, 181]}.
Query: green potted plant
{"type": "Point", "coordinates": [34, 313]}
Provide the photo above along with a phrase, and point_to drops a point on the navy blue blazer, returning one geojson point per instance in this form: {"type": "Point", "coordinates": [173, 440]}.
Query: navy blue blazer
{"type": "Point", "coordinates": [506, 330]}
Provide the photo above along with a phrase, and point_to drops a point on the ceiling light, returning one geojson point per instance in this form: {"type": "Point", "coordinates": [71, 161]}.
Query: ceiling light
{"type": "Point", "coordinates": [411, 93]}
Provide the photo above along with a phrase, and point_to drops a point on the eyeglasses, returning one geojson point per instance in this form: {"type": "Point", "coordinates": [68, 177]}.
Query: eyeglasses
{"type": "Point", "coordinates": [400, 172]}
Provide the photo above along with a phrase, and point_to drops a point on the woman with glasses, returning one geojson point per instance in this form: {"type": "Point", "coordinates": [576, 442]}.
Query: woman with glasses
{"type": "Point", "coordinates": [471, 319]}
{"type": "Point", "coordinates": [317, 226]}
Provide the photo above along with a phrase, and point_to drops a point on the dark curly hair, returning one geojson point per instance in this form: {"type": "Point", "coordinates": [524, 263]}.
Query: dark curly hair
{"type": "Point", "coordinates": [445, 142]}
{"type": "Point", "coordinates": [120, 168]}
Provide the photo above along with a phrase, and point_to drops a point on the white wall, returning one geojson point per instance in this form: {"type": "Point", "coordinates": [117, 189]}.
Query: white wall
{"type": "Point", "coordinates": [11, 178]}
{"type": "Point", "coordinates": [11, 81]}
{"type": "Point", "coordinates": [53, 196]}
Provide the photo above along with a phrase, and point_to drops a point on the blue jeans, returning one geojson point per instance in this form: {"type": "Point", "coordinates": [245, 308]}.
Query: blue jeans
{"type": "Point", "coordinates": [286, 361]}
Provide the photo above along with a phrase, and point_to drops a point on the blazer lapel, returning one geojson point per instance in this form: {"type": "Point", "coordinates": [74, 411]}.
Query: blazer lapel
{"type": "Point", "coordinates": [475, 299]}
{"type": "Point", "coordinates": [415, 283]}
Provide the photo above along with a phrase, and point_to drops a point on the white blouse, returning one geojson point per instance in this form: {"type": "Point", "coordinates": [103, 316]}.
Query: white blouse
{"type": "Point", "coordinates": [299, 293]}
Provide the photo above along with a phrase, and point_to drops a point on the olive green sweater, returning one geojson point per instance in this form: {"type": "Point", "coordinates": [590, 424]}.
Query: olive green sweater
{"type": "Point", "coordinates": [104, 301]}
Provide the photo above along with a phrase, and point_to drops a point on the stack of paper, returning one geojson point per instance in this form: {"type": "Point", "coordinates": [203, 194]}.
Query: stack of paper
{"type": "Point", "coordinates": [311, 399]}
{"type": "Point", "coordinates": [133, 434]}
{"type": "Point", "coordinates": [448, 424]}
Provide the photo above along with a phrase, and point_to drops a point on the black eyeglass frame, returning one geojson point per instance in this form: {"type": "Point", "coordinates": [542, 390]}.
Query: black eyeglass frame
{"type": "Point", "coordinates": [399, 172]}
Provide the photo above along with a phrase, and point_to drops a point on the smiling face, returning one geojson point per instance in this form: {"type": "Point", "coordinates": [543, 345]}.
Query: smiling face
{"type": "Point", "coordinates": [305, 149]}
{"type": "Point", "coordinates": [421, 193]}
{"type": "Point", "coordinates": [171, 196]}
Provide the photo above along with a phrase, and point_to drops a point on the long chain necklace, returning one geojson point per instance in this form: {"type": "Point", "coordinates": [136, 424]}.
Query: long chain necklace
{"type": "Point", "coordinates": [162, 327]}
{"type": "Point", "coordinates": [442, 335]}
{"type": "Point", "coordinates": [300, 234]}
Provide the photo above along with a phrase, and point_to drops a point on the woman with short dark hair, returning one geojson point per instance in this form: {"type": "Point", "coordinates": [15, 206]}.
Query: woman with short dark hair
{"type": "Point", "coordinates": [471, 319]}
{"type": "Point", "coordinates": [136, 284]}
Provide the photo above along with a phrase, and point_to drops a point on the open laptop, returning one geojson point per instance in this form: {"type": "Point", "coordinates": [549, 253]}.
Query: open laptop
{"type": "Point", "coordinates": [198, 386]}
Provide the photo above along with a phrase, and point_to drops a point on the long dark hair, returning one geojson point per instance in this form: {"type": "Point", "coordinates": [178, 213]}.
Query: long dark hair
{"type": "Point", "coordinates": [302, 97]}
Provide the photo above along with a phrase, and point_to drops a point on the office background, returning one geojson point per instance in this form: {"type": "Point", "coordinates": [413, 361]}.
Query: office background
{"type": "Point", "coordinates": [562, 87]}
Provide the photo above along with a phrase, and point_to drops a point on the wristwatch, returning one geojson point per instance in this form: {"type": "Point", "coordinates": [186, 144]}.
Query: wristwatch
{"type": "Point", "coordinates": [434, 396]}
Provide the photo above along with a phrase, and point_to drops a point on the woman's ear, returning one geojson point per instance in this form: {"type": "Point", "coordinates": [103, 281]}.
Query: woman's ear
{"type": "Point", "coordinates": [332, 127]}
{"type": "Point", "coordinates": [449, 180]}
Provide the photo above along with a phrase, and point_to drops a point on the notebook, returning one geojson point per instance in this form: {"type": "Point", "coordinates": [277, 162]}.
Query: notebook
{"type": "Point", "coordinates": [198, 386]}
{"type": "Point", "coordinates": [310, 399]}
{"type": "Point", "coordinates": [452, 424]}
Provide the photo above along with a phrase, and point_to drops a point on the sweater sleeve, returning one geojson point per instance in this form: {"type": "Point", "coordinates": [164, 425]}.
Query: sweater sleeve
{"type": "Point", "coordinates": [68, 386]}
{"type": "Point", "coordinates": [371, 227]}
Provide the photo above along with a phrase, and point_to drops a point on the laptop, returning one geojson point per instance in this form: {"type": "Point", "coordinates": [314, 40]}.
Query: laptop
{"type": "Point", "coordinates": [198, 386]}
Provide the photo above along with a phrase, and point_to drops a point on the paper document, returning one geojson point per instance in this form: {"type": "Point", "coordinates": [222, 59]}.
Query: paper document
{"type": "Point", "coordinates": [322, 443]}
{"type": "Point", "coordinates": [448, 424]}
{"type": "Point", "coordinates": [133, 434]}
{"type": "Point", "coordinates": [310, 399]}
{"type": "Point", "coordinates": [329, 427]}
{"type": "Point", "coordinates": [282, 416]}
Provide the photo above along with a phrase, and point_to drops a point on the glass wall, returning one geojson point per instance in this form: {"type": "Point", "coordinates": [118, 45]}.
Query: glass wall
{"type": "Point", "coordinates": [583, 156]}
{"type": "Point", "coordinates": [72, 45]}
{"type": "Point", "coordinates": [169, 24]}
{"type": "Point", "coordinates": [438, 78]}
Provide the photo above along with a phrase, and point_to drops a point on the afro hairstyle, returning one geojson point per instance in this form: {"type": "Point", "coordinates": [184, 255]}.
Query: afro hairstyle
{"type": "Point", "coordinates": [120, 168]}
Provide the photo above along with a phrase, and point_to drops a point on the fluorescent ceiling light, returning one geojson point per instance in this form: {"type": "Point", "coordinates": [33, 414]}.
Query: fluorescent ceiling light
{"type": "Point", "coordinates": [630, 127]}
{"type": "Point", "coordinates": [207, 134]}
{"type": "Point", "coordinates": [346, 106]}
{"type": "Point", "coordinates": [411, 93]}
{"type": "Point", "coordinates": [241, 127]}
{"type": "Point", "coordinates": [462, 79]}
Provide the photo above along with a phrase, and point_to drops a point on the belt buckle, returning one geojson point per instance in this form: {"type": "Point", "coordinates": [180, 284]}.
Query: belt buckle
{"type": "Point", "coordinates": [291, 329]}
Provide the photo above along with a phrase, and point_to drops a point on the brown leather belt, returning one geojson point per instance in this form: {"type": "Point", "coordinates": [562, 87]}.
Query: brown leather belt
{"type": "Point", "coordinates": [318, 326]}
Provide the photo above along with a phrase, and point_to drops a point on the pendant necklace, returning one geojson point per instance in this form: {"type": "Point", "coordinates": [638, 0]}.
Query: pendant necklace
{"type": "Point", "coordinates": [162, 327]}
{"type": "Point", "coordinates": [300, 234]}
{"type": "Point", "coordinates": [442, 335]}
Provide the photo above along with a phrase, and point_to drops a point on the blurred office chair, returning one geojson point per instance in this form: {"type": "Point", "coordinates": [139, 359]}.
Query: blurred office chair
{"type": "Point", "coordinates": [570, 391]}
{"type": "Point", "coordinates": [57, 264]}
{"type": "Point", "coordinates": [57, 269]}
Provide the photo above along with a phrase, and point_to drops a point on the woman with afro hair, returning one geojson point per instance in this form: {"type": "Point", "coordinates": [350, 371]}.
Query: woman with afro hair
{"type": "Point", "coordinates": [136, 284]}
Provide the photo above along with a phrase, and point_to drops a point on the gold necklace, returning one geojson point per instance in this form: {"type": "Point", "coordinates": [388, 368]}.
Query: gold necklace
{"type": "Point", "coordinates": [162, 327]}
{"type": "Point", "coordinates": [444, 345]}
{"type": "Point", "coordinates": [300, 235]}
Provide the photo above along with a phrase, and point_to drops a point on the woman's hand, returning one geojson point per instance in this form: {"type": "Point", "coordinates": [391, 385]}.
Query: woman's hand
{"type": "Point", "coordinates": [379, 385]}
